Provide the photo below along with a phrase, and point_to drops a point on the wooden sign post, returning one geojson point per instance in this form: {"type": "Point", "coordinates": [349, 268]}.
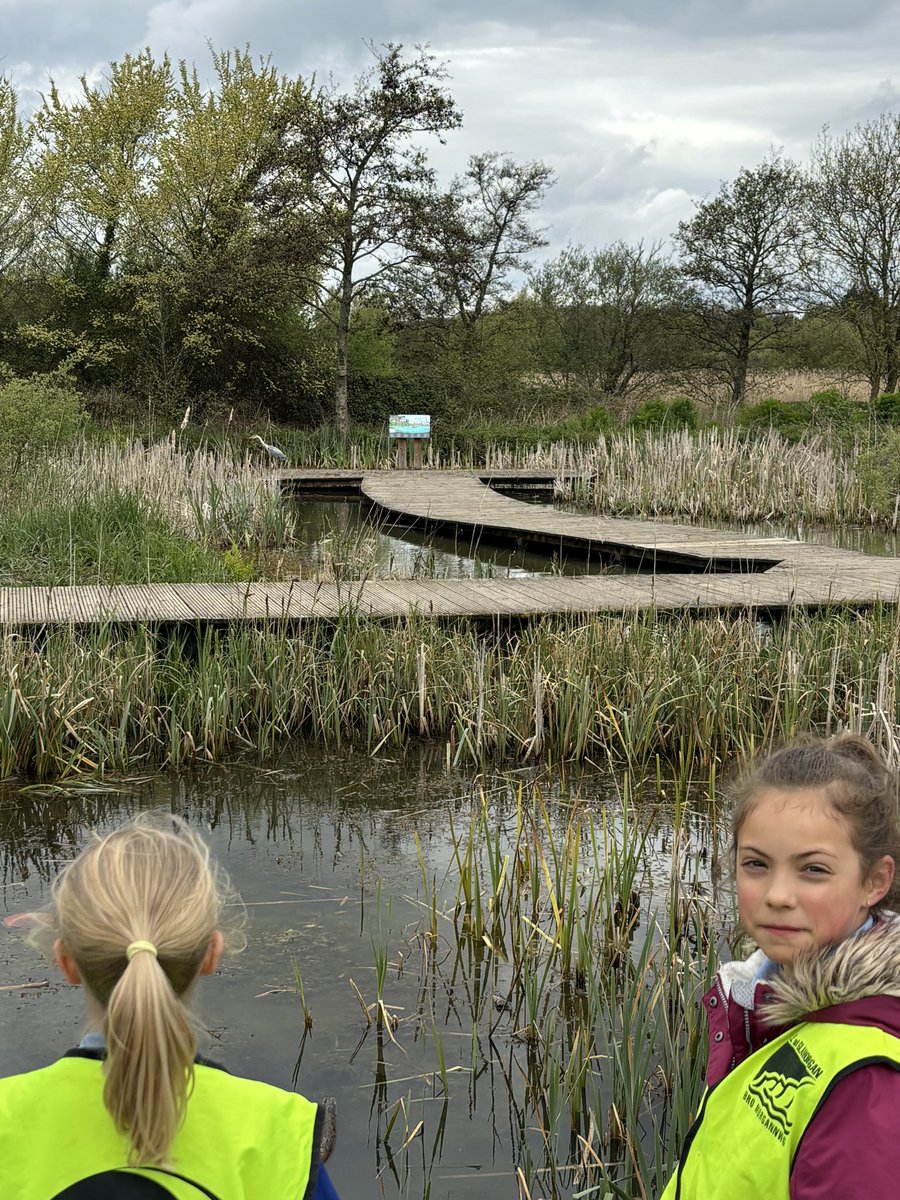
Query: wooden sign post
{"type": "Point", "coordinates": [406, 428]}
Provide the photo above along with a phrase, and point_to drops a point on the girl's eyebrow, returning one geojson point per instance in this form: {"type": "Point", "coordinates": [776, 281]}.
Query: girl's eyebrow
{"type": "Point", "coordinates": [802, 854]}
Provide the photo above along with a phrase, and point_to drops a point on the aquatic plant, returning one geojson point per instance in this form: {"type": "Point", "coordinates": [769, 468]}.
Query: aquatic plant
{"type": "Point", "coordinates": [573, 948]}
{"type": "Point", "coordinates": [686, 692]}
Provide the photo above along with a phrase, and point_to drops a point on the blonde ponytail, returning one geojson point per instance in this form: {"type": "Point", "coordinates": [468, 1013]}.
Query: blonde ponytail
{"type": "Point", "coordinates": [150, 1048]}
{"type": "Point", "coordinates": [138, 888]}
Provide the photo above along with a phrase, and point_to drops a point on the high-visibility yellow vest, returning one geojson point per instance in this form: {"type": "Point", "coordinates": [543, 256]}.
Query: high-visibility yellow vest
{"type": "Point", "coordinates": [240, 1140]}
{"type": "Point", "coordinates": [748, 1129]}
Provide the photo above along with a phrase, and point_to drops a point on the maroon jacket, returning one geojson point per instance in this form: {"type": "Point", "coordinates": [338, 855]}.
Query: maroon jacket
{"type": "Point", "coordinates": [851, 1148]}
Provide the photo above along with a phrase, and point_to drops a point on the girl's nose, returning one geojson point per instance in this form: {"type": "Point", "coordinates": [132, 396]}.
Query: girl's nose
{"type": "Point", "coordinates": [780, 893]}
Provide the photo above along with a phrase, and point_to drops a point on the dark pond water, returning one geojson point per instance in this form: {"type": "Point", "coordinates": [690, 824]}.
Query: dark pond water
{"type": "Point", "coordinates": [862, 538]}
{"type": "Point", "coordinates": [325, 852]}
{"type": "Point", "coordinates": [336, 534]}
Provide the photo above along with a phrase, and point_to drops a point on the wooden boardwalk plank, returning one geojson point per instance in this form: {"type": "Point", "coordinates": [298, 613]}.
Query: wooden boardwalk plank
{"type": "Point", "coordinates": [798, 573]}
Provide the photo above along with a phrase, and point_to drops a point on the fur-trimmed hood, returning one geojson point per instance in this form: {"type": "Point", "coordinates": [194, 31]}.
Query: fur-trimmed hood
{"type": "Point", "coordinates": [858, 983]}
{"type": "Point", "coordinates": [859, 968]}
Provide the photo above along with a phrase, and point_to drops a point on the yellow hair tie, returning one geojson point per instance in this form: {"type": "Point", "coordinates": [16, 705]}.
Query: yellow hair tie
{"type": "Point", "coordinates": [137, 947]}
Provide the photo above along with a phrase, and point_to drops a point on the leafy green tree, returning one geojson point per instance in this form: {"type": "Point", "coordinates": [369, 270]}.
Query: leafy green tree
{"type": "Point", "coordinates": [18, 211]}
{"type": "Point", "coordinates": [16, 205]}
{"type": "Point", "coordinates": [93, 156]}
{"type": "Point", "coordinates": [746, 252]}
{"type": "Point", "coordinates": [854, 209]}
{"type": "Point", "coordinates": [819, 340]}
{"type": "Point", "coordinates": [226, 248]}
{"type": "Point", "coordinates": [175, 253]}
{"type": "Point", "coordinates": [599, 315]}
{"type": "Point", "coordinates": [373, 182]}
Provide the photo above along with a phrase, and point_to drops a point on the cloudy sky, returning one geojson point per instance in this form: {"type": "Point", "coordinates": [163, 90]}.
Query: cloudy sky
{"type": "Point", "coordinates": [642, 107]}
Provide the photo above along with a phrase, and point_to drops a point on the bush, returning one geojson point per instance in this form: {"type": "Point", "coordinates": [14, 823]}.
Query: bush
{"type": "Point", "coordinates": [680, 413]}
{"type": "Point", "coordinates": [36, 415]}
{"type": "Point", "coordinates": [835, 410]}
{"type": "Point", "coordinates": [790, 420]}
{"type": "Point", "coordinates": [878, 470]}
{"type": "Point", "coordinates": [597, 420]}
{"type": "Point", "coordinates": [886, 408]}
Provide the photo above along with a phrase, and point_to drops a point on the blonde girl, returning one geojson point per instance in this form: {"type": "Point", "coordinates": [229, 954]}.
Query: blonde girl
{"type": "Point", "coordinates": [803, 1076]}
{"type": "Point", "coordinates": [133, 1113]}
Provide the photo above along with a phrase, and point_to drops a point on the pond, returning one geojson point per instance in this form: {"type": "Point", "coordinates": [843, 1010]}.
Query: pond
{"type": "Point", "coordinates": [337, 537]}
{"type": "Point", "coordinates": [862, 538]}
{"type": "Point", "coordinates": [382, 879]}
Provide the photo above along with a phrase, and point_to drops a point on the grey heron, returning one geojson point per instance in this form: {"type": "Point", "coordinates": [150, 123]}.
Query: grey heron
{"type": "Point", "coordinates": [272, 451]}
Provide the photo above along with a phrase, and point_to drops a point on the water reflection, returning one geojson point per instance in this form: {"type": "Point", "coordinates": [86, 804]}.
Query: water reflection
{"type": "Point", "coordinates": [441, 1062]}
{"type": "Point", "coordinates": [335, 537]}
{"type": "Point", "coordinates": [862, 538]}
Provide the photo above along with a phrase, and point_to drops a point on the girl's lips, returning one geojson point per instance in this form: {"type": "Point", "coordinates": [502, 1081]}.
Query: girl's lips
{"type": "Point", "coordinates": [782, 928]}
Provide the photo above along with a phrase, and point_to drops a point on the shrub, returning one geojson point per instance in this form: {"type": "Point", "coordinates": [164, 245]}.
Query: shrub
{"type": "Point", "coordinates": [597, 420]}
{"type": "Point", "coordinates": [37, 414]}
{"type": "Point", "coordinates": [886, 408]}
{"type": "Point", "coordinates": [680, 413]}
{"type": "Point", "coordinates": [790, 420]}
{"type": "Point", "coordinates": [878, 471]}
{"type": "Point", "coordinates": [835, 410]}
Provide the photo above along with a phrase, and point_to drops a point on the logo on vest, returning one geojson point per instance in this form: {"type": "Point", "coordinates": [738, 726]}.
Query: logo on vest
{"type": "Point", "coordinates": [771, 1091]}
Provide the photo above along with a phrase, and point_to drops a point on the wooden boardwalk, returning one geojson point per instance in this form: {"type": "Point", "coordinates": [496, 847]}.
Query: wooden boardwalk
{"type": "Point", "coordinates": [684, 567]}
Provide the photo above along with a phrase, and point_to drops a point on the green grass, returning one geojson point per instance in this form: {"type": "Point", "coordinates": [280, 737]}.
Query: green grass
{"type": "Point", "coordinates": [114, 538]}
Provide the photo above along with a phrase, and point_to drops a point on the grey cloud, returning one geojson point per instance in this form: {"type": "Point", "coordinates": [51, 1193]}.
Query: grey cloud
{"type": "Point", "coordinates": [641, 106]}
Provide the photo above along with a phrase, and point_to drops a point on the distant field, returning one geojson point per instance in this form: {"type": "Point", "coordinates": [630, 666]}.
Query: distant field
{"type": "Point", "coordinates": [800, 385]}
{"type": "Point", "coordinates": [708, 391]}
{"type": "Point", "coordinates": [781, 385]}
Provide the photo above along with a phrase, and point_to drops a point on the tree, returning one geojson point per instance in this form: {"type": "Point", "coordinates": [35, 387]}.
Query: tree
{"type": "Point", "coordinates": [93, 157]}
{"type": "Point", "coordinates": [472, 240]}
{"type": "Point", "coordinates": [18, 203]}
{"type": "Point", "coordinates": [175, 254]}
{"type": "Point", "coordinates": [746, 251]}
{"type": "Point", "coordinates": [16, 206]}
{"type": "Point", "coordinates": [373, 182]}
{"type": "Point", "coordinates": [599, 315]}
{"type": "Point", "coordinates": [225, 247]}
{"type": "Point", "coordinates": [854, 209]}
{"type": "Point", "coordinates": [96, 153]}
{"type": "Point", "coordinates": [477, 233]}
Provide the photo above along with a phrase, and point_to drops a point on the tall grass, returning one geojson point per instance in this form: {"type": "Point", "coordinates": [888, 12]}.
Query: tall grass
{"type": "Point", "coordinates": [716, 473]}
{"type": "Point", "coordinates": [574, 955]}
{"type": "Point", "coordinates": [629, 690]}
{"type": "Point", "coordinates": [113, 512]}
{"type": "Point", "coordinates": [218, 499]}
{"type": "Point", "coordinates": [110, 538]}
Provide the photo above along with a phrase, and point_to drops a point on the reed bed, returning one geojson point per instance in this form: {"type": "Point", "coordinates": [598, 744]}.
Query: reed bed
{"type": "Point", "coordinates": [715, 473]}
{"type": "Point", "coordinates": [132, 513]}
{"type": "Point", "coordinates": [722, 474]}
{"type": "Point", "coordinates": [216, 499]}
{"type": "Point", "coordinates": [632, 690]}
{"type": "Point", "coordinates": [560, 960]}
